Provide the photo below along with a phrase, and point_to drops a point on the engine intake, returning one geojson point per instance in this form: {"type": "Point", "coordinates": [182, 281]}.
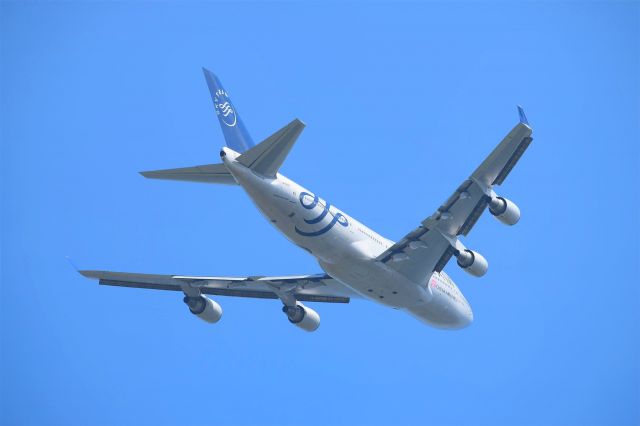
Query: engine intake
{"type": "Point", "coordinates": [204, 308]}
{"type": "Point", "coordinates": [302, 316]}
{"type": "Point", "coordinates": [472, 262]}
{"type": "Point", "coordinates": [506, 211]}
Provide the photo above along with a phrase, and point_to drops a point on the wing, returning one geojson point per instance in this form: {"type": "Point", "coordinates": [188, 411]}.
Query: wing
{"type": "Point", "coordinates": [305, 288]}
{"type": "Point", "coordinates": [429, 247]}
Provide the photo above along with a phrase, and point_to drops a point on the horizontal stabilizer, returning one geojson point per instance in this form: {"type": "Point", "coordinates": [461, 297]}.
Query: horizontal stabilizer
{"type": "Point", "coordinates": [208, 173]}
{"type": "Point", "coordinates": [267, 157]}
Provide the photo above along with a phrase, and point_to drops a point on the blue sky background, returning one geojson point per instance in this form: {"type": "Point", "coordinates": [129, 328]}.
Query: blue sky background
{"type": "Point", "coordinates": [402, 101]}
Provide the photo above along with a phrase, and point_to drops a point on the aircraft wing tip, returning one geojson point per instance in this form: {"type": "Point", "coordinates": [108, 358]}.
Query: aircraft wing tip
{"type": "Point", "coordinates": [95, 275]}
{"type": "Point", "coordinates": [523, 117]}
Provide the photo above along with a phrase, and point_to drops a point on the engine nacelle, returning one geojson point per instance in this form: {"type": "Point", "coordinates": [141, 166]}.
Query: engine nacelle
{"type": "Point", "coordinates": [472, 262]}
{"type": "Point", "coordinates": [302, 316]}
{"type": "Point", "coordinates": [506, 211]}
{"type": "Point", "coordinates": [204, 308]}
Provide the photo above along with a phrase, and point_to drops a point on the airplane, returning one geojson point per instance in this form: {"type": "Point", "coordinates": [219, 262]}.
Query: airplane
{"type": "Point", "coordinates": [356, 261]}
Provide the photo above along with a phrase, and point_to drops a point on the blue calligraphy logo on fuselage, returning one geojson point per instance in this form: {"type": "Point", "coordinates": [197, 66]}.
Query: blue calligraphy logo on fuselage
{"type": "Point", "coordinates": [309, 202]}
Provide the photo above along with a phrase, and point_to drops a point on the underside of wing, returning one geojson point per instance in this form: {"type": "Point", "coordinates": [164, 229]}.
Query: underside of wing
{"type": "Point", "coordinates": [305, 288]}
{"type": "Point", "coordinates": [497, 166]}
{"type": "Point", "coordinates": [429, 247]}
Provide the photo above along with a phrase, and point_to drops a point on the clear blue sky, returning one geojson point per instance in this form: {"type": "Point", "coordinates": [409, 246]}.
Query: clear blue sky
{"type": "Point", "coordinates": [401, 102]}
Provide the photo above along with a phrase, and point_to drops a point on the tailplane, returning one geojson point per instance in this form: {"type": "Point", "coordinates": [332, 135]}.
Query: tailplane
{"type": "Point", "coordinates": [264, 158]}
{"type": "Point", "coordinates": [207, 173]}
{"type": "Point", "coordinates": [235, 134]}
{"type": "Point", "coordinates": [267, 157]}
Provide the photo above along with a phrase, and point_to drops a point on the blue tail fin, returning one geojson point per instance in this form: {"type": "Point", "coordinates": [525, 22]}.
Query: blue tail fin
{"type": "Point", "coordinates": [235, 134]}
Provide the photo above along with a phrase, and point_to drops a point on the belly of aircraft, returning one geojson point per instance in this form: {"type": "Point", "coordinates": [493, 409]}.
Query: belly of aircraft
{"type": "Point", "coordinates": [340, 254]}
{"type": "Point", "coordinates": [374, 282]}
{"type": "Point", "coordinates": [389, 288]}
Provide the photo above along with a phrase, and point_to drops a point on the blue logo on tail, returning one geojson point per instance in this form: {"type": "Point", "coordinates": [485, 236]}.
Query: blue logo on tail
{"type": "Point", "coordinates": [235, 134]}
{"type": "Point", "coordinates": [309, 202]}
{"type": "Point", "coordinates": [224, 109]}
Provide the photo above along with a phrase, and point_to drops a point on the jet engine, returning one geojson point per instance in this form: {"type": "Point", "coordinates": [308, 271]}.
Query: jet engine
{"type": "Point", "coordinates": [472, 262]}
{"type": "Point", "coordinates": [302, 316]}
{"type": "Point", "coordinates": [204, 308]}
{"type": "Point", "coordinates": [504, 210]}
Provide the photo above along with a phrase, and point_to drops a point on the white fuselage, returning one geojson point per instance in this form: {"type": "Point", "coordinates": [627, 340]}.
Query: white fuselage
{"type": "Point", "coordinates": [347, 249]}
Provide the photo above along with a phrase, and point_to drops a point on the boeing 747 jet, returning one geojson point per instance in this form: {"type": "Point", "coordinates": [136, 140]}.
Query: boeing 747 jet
{"type": "Point", "coordinates": [357, 262]}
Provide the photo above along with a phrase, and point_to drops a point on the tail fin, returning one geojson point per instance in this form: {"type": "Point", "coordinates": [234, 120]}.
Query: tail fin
{"type": "Point", "coordinates": [235, 134]}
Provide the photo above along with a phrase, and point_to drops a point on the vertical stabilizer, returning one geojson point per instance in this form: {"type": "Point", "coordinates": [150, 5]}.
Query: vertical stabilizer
{"type": "Point", "coordinates": [235, 134]}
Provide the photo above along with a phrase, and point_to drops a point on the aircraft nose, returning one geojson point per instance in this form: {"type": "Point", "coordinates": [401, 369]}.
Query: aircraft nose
{"type": "Point", "coordinates": [465, 316]}
{"type": "Point", "coordinates": [469, 315]}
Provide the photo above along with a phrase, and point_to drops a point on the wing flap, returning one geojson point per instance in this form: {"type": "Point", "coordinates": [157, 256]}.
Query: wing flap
{"type": "Point", "coordinates": [418, 254]}
{"type": "Point", "coordinates": [473, 217]}
{"type": "Point", "coordinates": [512, 161]}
